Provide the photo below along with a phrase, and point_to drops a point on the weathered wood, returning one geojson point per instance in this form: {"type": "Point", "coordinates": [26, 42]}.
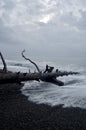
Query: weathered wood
{"type": "Point", "coordinates": [19, 77]}
{"type": "Point", "coordinates": [30, 61]}
{"type": "Point", "coordinates": [4, 63]}
{"type": "Point", "coordinates": [52, 77]}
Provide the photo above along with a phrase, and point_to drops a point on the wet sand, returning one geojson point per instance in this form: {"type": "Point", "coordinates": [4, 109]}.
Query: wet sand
{"type": "Point", "coordinates": [17, 113]}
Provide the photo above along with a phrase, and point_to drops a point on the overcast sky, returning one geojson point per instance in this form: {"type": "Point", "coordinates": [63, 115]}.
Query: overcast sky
{"type": "Point", "coordinates": [45, 28]}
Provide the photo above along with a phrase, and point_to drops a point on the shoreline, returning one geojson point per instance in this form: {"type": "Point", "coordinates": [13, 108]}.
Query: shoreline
{"type": "Point", "coordinates": [17, 113]}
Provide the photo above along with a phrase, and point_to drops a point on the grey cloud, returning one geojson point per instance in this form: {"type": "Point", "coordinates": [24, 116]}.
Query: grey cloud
{"type": "Point", "coordinates": [16, 12]}
{"type": "Point", "coordinates": [53, 39]}
{"type": "Point", "coordinates": [83, 2]}
{"type": "Point", "coordinates": [6, 35]}
{"type": "Point", "coordinates": [81, 24]}
{"type": "Point", "coordinates": [69, 18]}
{"type": "Point", "coordinates": [8, 5]}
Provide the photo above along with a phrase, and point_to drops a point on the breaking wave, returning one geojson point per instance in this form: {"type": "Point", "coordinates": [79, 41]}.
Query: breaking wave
{"type": "Point", "coordinates": [73, 93]}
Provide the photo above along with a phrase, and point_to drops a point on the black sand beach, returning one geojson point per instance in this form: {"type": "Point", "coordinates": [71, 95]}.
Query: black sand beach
{"type": "Point", "coordinates": [17, 113]}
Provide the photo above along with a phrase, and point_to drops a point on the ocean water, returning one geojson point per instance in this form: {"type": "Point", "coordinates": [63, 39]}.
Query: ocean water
{"type": "Point", "coordinates": [73, 93]}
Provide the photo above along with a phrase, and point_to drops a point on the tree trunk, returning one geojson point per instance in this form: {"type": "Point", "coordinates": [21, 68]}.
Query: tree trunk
{"type": "Point", "coordinates": [10, 77]}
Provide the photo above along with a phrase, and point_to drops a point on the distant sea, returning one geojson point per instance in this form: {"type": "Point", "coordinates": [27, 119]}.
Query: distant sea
{"type": "Point", "coordinates": [73, 93]}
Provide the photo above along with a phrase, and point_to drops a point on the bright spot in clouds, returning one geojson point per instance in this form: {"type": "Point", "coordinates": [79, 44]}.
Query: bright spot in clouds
{"type": "Point", "coordinates": [46, 18]}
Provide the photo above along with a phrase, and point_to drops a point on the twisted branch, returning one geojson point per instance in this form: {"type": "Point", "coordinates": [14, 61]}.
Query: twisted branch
{"type": "Point", "coordinates": [30, 61]}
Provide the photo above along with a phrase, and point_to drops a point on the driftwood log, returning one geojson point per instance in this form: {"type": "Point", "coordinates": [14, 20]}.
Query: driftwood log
{"type": "Point", "coordinates": [11, 77]}
{"type": "Point", "coordinates": [18, 77]}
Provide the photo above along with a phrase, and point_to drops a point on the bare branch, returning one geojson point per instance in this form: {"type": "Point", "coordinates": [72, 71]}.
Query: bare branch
{"type": "Point", "coordinates": [4, 63]}
{"type": "Point", "coordinates": [30, 61]}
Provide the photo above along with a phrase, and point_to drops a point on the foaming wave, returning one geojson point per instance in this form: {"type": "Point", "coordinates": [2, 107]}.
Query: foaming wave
{"type": "Point", "coordinates": [73, 93]}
